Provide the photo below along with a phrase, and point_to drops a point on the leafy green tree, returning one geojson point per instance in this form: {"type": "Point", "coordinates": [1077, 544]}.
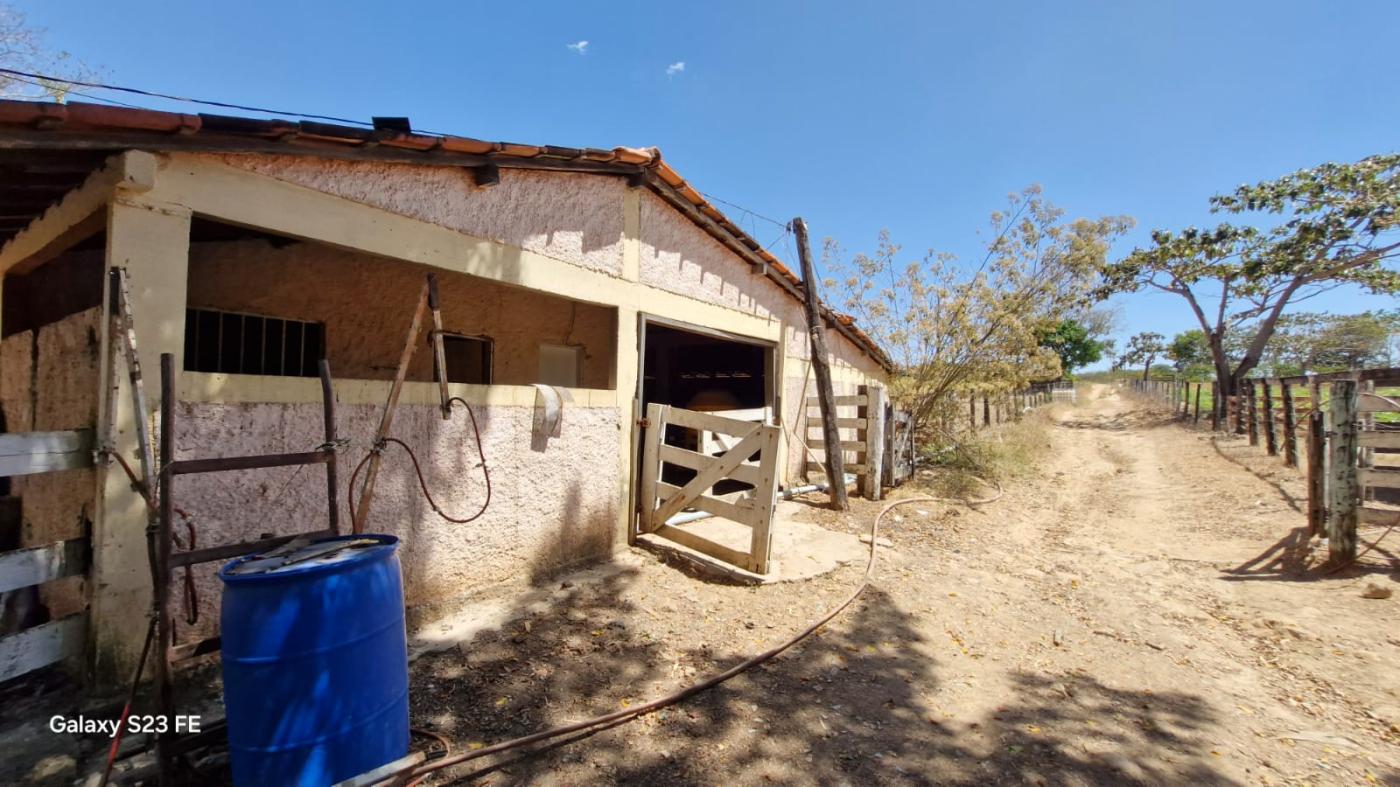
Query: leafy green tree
{"type": "Point", "coordinates": [1332, 225]}
{"type": "Point", "coordinates": [1072, 342]}
{"type": "Point", "coordinates": [1310, 342]}
{"type": "Point", "coordinates": [1189, 348]}
{"type": "Point", "coordinates": [1143, 348]}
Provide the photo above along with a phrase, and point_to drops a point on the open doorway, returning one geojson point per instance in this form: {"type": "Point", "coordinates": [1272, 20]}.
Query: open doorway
{"type": "Point", "coordinates": [706, 371]}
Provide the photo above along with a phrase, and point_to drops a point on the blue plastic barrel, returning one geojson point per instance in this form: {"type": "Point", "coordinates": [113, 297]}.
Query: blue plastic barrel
{"type": "Point", "coordinates": [315, 662]}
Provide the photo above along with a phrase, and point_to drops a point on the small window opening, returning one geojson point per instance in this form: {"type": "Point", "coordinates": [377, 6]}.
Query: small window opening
{"type": "Point", "coordinates": [468, 359]}
{"type": "Point", "coordinates": [232, 343]}
{"type": "Point", "coordinates": [561, 365]}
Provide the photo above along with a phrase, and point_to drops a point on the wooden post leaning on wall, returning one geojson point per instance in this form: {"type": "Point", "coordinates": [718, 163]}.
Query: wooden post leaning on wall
{"type": "Point", "coordinates": [1343, 484]}
{"type": "Point", "coordinates": [1270, 432]}
{"type": "Point", "coordinates": [1290, 426]}
{"type": "Point", "coordinates": [835, 471]}
{"type": "Point", "coordinates": [386, 419]}
{"type": "Point", "coordinates": [439, 348]}
{"type": "Point", "coordinates": [874, 440]}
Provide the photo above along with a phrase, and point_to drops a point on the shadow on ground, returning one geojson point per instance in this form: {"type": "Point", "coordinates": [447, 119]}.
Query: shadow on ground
{"type": "Point", "coordinates": [855, 704]}
{"type": "Point", "coordinates": [1122, 422]}
{"type": "Point", "coordinates": [1288, 497]}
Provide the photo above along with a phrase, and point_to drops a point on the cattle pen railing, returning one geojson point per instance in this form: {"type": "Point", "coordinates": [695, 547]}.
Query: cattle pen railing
{"type": "Point", "coordinates": [992, 409]}
{"type": "Point", "coordinates": [1342, 429]}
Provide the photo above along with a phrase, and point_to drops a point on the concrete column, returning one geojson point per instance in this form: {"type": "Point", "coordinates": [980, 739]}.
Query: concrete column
{"type": "Point", "coordinates": [629, 410]}
{"type": "Point", "coordinates": [152, 243]}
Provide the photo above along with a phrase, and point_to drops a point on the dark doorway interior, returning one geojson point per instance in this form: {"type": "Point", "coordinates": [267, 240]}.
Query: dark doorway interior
{"type": "Point", "coordinates": [706, 373]}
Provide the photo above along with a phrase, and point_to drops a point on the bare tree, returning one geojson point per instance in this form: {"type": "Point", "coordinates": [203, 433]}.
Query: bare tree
{"type": "Point", "coordinates": [951, 327]}
{"type": "Point", "coordinates": [22, 48]}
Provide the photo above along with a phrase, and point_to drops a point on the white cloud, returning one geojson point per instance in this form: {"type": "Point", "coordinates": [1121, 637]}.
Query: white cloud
{"type": "Point", "coordinates": [675, 68]}
{"type": "Point", "coordinates": [580, 47]}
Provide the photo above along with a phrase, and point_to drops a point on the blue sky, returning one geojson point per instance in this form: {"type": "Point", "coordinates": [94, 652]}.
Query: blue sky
{"type": "Point", "coordinates": [918, 117]}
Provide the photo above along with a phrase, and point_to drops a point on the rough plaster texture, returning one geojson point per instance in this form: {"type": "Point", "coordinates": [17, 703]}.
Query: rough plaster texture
{"type": "Point", "coordinates": [16, 379]}
{"type": "Point", "coordinates": [58, 392]}
{"type": "Point", "coordinates": [573, 217]}
{"type": "Point", "coordinates": [549, 509]}
{"type": "Point", "coordinates": [679, 257]}
{"type": "Point", "coordinates": [367, 302]}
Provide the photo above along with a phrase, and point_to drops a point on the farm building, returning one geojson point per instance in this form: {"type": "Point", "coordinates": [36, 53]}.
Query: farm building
{"type": "Point", "coordinates": [575, 288]}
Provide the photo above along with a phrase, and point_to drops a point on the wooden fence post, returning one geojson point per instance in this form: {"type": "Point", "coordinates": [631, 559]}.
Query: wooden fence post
{"type": "Point", "coordinates": [1290, 427]}
{"type": "Point", "coordinates": [1270, 434]}
{"type": "Point", "coordinates": [1215, 406]}
{"type": "Point", "coordinates": [1199, 386]}
{"type": "Point", "coordinates": [972, 410]}
{"type": "Point", "coordinates": [1343, 489]}
{"type": "Point", "coordinates": [874, 440]}
{"type": "Point", "coordinates": [1238, 401]}
{"type": "Point", "coordinates": [986, 411]}
{"type": "Point", "coordinates": [1368, 455]}
{"type": "Point", "coordinates": [1317, 474]}
{"type": "Point", "coordinates": [1253, 405]}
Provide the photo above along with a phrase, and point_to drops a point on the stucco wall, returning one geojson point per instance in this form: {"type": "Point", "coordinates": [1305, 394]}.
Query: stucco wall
{"type": "Point", "coordinates": [574, 217]}
{"type": "Point", "coordinates": [55, 390]}
{"type": "Point", "coordinates": [549, 508]}
{"type": "Point", "coordinates": [679, 257]}
{"type": "Point", "coordinates": [367, 302]}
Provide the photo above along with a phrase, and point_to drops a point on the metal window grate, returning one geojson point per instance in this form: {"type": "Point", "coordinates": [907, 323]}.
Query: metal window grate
{"type": "Point", "coordinates": [469, 358]}
{"type": "Point", "coordinates": [234, 343]}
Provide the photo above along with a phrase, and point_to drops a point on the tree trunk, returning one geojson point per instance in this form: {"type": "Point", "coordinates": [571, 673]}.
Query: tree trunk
{"type": "Point", "coordinates": [1146, 369]}
{"type": "Point", "coordinates": [1228, 382]}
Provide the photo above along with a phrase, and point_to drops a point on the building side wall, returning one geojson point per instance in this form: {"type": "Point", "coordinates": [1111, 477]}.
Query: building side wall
{"type": "Point", "coordinates": [574, 217]}
{"type": "Point", "coordinates": [367, 302]}
{"type": "Point", "coordinates": [581, 219]}
{"type": "Point", "coordinates": [50, 383]}
{"type": "Point", "coordinates": [552, 505]}
{"type": "Point", "coordinates": [679, 257]}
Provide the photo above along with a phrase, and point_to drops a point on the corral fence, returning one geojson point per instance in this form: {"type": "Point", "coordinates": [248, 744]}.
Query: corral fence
{"type": "Point", "coordinates": [992, 409]}
{"type": "Point", "coordinates": [27, 643]}
{"type": "Point", "coordinates": [1342, 428]}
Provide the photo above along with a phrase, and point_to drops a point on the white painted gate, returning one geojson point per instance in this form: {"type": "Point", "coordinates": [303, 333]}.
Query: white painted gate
{"type": "Point", "coordinates": [23, 570]}
{"type": "Point", "coordinates": [744, 451]}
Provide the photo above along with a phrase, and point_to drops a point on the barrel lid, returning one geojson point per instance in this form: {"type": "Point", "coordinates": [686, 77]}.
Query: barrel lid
{"type": "Point", "coordinates": [301, 554]}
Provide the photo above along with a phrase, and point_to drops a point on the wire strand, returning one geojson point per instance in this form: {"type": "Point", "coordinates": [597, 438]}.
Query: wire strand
{"type": "Point", "coordinates": [185, 99]}
{"type": "Point", "coordinates": [753, 213]}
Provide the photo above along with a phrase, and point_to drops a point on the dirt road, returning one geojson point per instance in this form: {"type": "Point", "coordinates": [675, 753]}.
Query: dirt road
{"type": "Point", "coordinates": [1139, 610]}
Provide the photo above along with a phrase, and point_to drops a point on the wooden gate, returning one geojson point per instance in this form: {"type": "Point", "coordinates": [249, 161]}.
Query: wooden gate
{"type": "Point", "coordinates": [861, 424]}
{"type": "Point", "coordinates": [23, 570]}
{"type": "Point", "coordinates": [707, 449]}
{"type": "Point", "coordinates": [899, 446]}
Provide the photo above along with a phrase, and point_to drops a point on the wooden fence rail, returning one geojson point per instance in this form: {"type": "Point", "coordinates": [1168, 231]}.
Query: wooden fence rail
{"type": "Point", "coordinates": [1328, 424]}
{"type": "Point", "coordinates": [999, 408]}
{"type": "Point", "coordinates": [24, 570]}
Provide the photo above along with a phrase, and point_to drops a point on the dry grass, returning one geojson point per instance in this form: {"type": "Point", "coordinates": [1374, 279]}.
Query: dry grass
{"type": "Point", "coordinates": [1000, 454]}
